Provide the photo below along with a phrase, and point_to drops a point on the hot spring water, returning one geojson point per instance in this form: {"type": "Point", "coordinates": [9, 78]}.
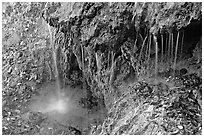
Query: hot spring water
{"type": "Point", "coordinates": [61, 104]}
{"type": "Point", "coordinates": [55, 99]}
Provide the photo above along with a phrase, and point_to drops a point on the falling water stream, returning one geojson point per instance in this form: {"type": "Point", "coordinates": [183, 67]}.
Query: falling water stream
{"type": "Point", "coordinates": [182, 45]}
{"type": "Point", "coordinates": [142, 48]}
{"type": "Point", "coordinates": [149, 49]}
{"type": "Point", "coordinates": [62, 104]}
{"type": "Point", "coordinates": [166, 48]}
{"type": "Point", "coordinates": [156, 57]}
{"type": "Point", "coordinates": [177, 42]}
{"type": "Point", "coordinates": [54, 59]}
{"type": "Point", "coordinates": [109, 59]}
{"type": "Point", "coordinates": [172, 49]}
{"type": "Point", "coordinates": [169, 49]}
{"type": "Point", "coordinates": [162, 47]}
{"type": "Point", "coordinates": [82, 60]}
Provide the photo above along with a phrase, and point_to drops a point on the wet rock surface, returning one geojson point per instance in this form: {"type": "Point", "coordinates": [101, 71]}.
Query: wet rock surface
{"type": "Point", "coordinates": [155, 110]}
{"type": "Point", "coordinates": [109, 50]}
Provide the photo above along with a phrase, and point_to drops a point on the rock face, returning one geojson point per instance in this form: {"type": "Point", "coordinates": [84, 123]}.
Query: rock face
{"type": "Point", "coordinates": [106, 42]}
{"type": "Point", "coordinates": [142, 110]}
{"type": "Point", "coordinates": [103, 41]}
{"type": "Point", "coordinates": [108, 47]}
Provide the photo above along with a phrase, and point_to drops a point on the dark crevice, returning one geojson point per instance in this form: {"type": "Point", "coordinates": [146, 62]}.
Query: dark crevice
{"type": "Point", "coordinates": [193, 33]}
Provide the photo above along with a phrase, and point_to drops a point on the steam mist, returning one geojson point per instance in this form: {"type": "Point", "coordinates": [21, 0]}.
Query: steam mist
{"type": "Point", "coordinates": [63, 107]}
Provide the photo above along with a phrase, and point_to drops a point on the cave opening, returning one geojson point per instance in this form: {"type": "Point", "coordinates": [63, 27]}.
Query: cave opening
{"type": "Point", "coordinates": [192, 34]}
{"type": "Point", "coordinates": [189, 36]}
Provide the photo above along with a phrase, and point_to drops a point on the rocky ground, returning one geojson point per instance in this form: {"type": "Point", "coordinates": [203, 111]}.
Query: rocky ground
{"type": "Point", "coordinates": [102, 49]}
{"type": "Point", "coordinates": [163, 108]}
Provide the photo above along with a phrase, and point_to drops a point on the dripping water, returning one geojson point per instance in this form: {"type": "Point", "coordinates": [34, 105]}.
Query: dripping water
{"type": "Point", "coordinates": [177, 41]}
{"type": "Point", "coordinates": [166, 48]}
{"type": "Point", "coordinates": [182, 45]}
{"type": "Point", "coordinates": [108, 59]}
{"type": "Point", "coordinates": [58, 103]}
{"type": "Point", "coordinates": [172, 48]}
{"type": "Point", "coordinates": [83, 73]}
{"type": "Point", "coordinates": [148, 60]}
{"type": "Point", "coordinates": [156, 57]}
{"type": "Point", "coordinates": [54, 60]}
{"type": "Point", "coordinates": [142, 47]}
{"type": "Point", "coordinates": [112, 58]}
{"type": "Point", "coordinates": [169, 50]}
{"type": "Point", "coordinates": [135, 44]}
{"type": "Point", "coordinates": [162, 47]}
{"type": "Point", "coordinates": [111, 70]}
{"type": "Point", "coordinates": [146, 50]}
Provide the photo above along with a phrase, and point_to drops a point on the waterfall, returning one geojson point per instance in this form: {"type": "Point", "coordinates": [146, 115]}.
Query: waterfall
{"type": "Point", "coordinates": [54, 60]}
